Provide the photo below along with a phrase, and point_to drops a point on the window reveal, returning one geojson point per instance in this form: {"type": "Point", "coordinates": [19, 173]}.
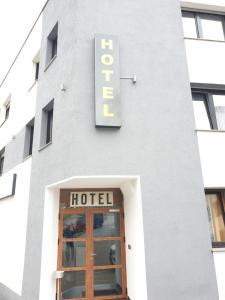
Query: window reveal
{"type": "Point", "coordinates": [47, 124]}
{"type": "Point", "coordinates": [52, 45]}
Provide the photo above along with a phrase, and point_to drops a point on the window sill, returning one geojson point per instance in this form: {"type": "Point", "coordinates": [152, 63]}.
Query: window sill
{"type": "Point", "coordinates": [3, 123]}
{"type": "Point", "coordinates": [209, 130]}
{"type": "Point", "coordinates": [216, 250]}
{"type": "Point", "coordinates": [45, 146]}
{"type": "Point", "coordinates": [27, 157]}
{"type": "Point", "coordinates": [204, 40]}
{"type": "Point", "coordinates": [49, 64]}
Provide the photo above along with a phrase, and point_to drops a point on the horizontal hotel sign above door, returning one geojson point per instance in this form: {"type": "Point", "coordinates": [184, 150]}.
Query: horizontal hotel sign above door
{"type": "Point", "coordinates": [91, 199]}
{"type": "Point", "coordinates": [107, 81]}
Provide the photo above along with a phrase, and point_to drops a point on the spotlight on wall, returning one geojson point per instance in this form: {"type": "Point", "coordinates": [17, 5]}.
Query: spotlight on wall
{"type": "Point", "coordinates": [62, 87]}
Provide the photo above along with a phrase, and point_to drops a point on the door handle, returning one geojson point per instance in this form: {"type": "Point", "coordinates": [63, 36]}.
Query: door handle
{"type": "Point", "coordinates": [93, 254]}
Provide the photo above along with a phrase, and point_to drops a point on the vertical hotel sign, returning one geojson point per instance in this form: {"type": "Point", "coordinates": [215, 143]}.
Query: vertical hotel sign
{"type": "Point", "coordinates": [107, 81]}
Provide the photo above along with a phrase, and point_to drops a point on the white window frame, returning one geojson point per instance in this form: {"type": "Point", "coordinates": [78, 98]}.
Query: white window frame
{"type": "Point", "coordinates": [197, 16]}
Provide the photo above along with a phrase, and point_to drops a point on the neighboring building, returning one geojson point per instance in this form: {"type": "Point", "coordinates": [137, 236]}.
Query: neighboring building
{"type": "Point", "coordinates": [112, 154]}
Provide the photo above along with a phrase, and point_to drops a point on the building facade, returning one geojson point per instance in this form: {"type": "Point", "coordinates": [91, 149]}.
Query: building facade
{"type": "Point", "coordinates": [112, 142]}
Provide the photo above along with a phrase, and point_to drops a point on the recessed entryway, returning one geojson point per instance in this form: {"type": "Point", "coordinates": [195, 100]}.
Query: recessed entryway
{"type": "Point", "coordinates": [129, 187]}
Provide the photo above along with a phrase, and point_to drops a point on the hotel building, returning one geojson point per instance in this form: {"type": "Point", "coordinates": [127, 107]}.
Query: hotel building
{"type": "Point", "coordinates": [112, 153]}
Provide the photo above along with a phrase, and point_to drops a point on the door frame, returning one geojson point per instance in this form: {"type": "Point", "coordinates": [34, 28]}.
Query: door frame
{"type": "Point", "coordinates": [89, 240]}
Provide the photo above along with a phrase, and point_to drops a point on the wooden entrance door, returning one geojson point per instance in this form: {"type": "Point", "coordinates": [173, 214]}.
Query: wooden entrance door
{"type": "Point", "coordinates": [92, 253]}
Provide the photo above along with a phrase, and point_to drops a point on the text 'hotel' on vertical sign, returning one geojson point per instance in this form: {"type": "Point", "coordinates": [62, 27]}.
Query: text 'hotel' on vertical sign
{"type": "Point", "coordinates": [107, 81]}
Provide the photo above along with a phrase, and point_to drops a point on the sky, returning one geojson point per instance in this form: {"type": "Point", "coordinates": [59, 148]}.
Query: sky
{"type": "Point", "coordinates": [16, 19]}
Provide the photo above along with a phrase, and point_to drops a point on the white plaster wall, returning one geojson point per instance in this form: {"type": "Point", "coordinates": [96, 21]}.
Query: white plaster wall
{"type": "Point", "coordinates": [219, 260]}
{"type": "Point", "coordinates": [206, 64]}
{"type": "Point", "coordinates": [49, 245]}
{"type": "Point", "coordinates": [18, 84]}
{"type": "Point", "coordinates": [13, 226]}
{"type": "Point", "coordinates": [212, 150]}
{"type": "Point", "coordinates": [212, 155]}
{"type": "Point", "coordinates": [206, 61]}
{"type": "Point", "coordinates": [135, 258]}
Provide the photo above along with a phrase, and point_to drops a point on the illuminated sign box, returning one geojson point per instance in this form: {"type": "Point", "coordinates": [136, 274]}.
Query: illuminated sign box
{"type": "Point", "coordinates": [107, 81]}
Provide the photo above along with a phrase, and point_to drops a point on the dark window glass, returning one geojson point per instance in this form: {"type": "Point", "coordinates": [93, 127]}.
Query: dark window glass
{"type": "Point", "coordinates": [54, 47]}
{"type": "Point", "coordinates": [31, 139]}
{"type": "Point", "coordinates": [37, 71]}
{"type": "Point", "coordinates": [2, 153]}
{"type": "Point", "coordinates": [47, 123]}
{"type": "Point", "coordinates": [28, 141]}
{"type": "Point", "coordinates": [7, 109]}
{"type": "Point", "coordinates": [49, 126]}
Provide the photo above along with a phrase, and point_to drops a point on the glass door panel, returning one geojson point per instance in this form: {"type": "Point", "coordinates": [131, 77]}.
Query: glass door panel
{"type": "Point", "coordinates": [106, 224]}
{"type": "Point", "coordinates": [107, 282]}
{"type": "Point", "coordinates": [74, 226]}
{"type": "Point", "coordinates": [74, 254]}
{"type": "Point", "coordinates": [107, 253]}
{"type": "Point", "coordinates": [73, 285]}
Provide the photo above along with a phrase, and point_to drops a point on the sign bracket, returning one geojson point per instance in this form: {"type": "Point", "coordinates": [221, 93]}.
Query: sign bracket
{"type": "Point", "coordinates": [134, 78]}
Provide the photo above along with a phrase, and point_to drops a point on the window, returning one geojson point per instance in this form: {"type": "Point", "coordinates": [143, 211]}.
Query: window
{"type": "Point", "coordinates": [189, 25]}
{"type": "Point", "coordinates": [36, 71]}
{"type": "Point", "coordinates": [215, 202]}
{"type": "Point", "coordinates": [29, 133]}
{"type": "Point", "coordinates": [209, 109]}
{"type": "Point", "coordinates": [36, 65]}
{"type": "Point", "coordinates": [2, 155]}
{"type": "Point", "coordinates": [49, 126]}
{"type": "Point", "coordinates": [204, 26]}
{"type": "Point", "coordinates": [47, 123]}
{"type": "Point", "coordinates": [52, 44]}
{"type": "Point", "coordinates": [7, 109]}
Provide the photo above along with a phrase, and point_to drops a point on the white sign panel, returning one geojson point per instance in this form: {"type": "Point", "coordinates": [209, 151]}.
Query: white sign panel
{"type": "Point", "coordinates": [91, 199]}
{"type": "Point", "coordinates": [7, 185]}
